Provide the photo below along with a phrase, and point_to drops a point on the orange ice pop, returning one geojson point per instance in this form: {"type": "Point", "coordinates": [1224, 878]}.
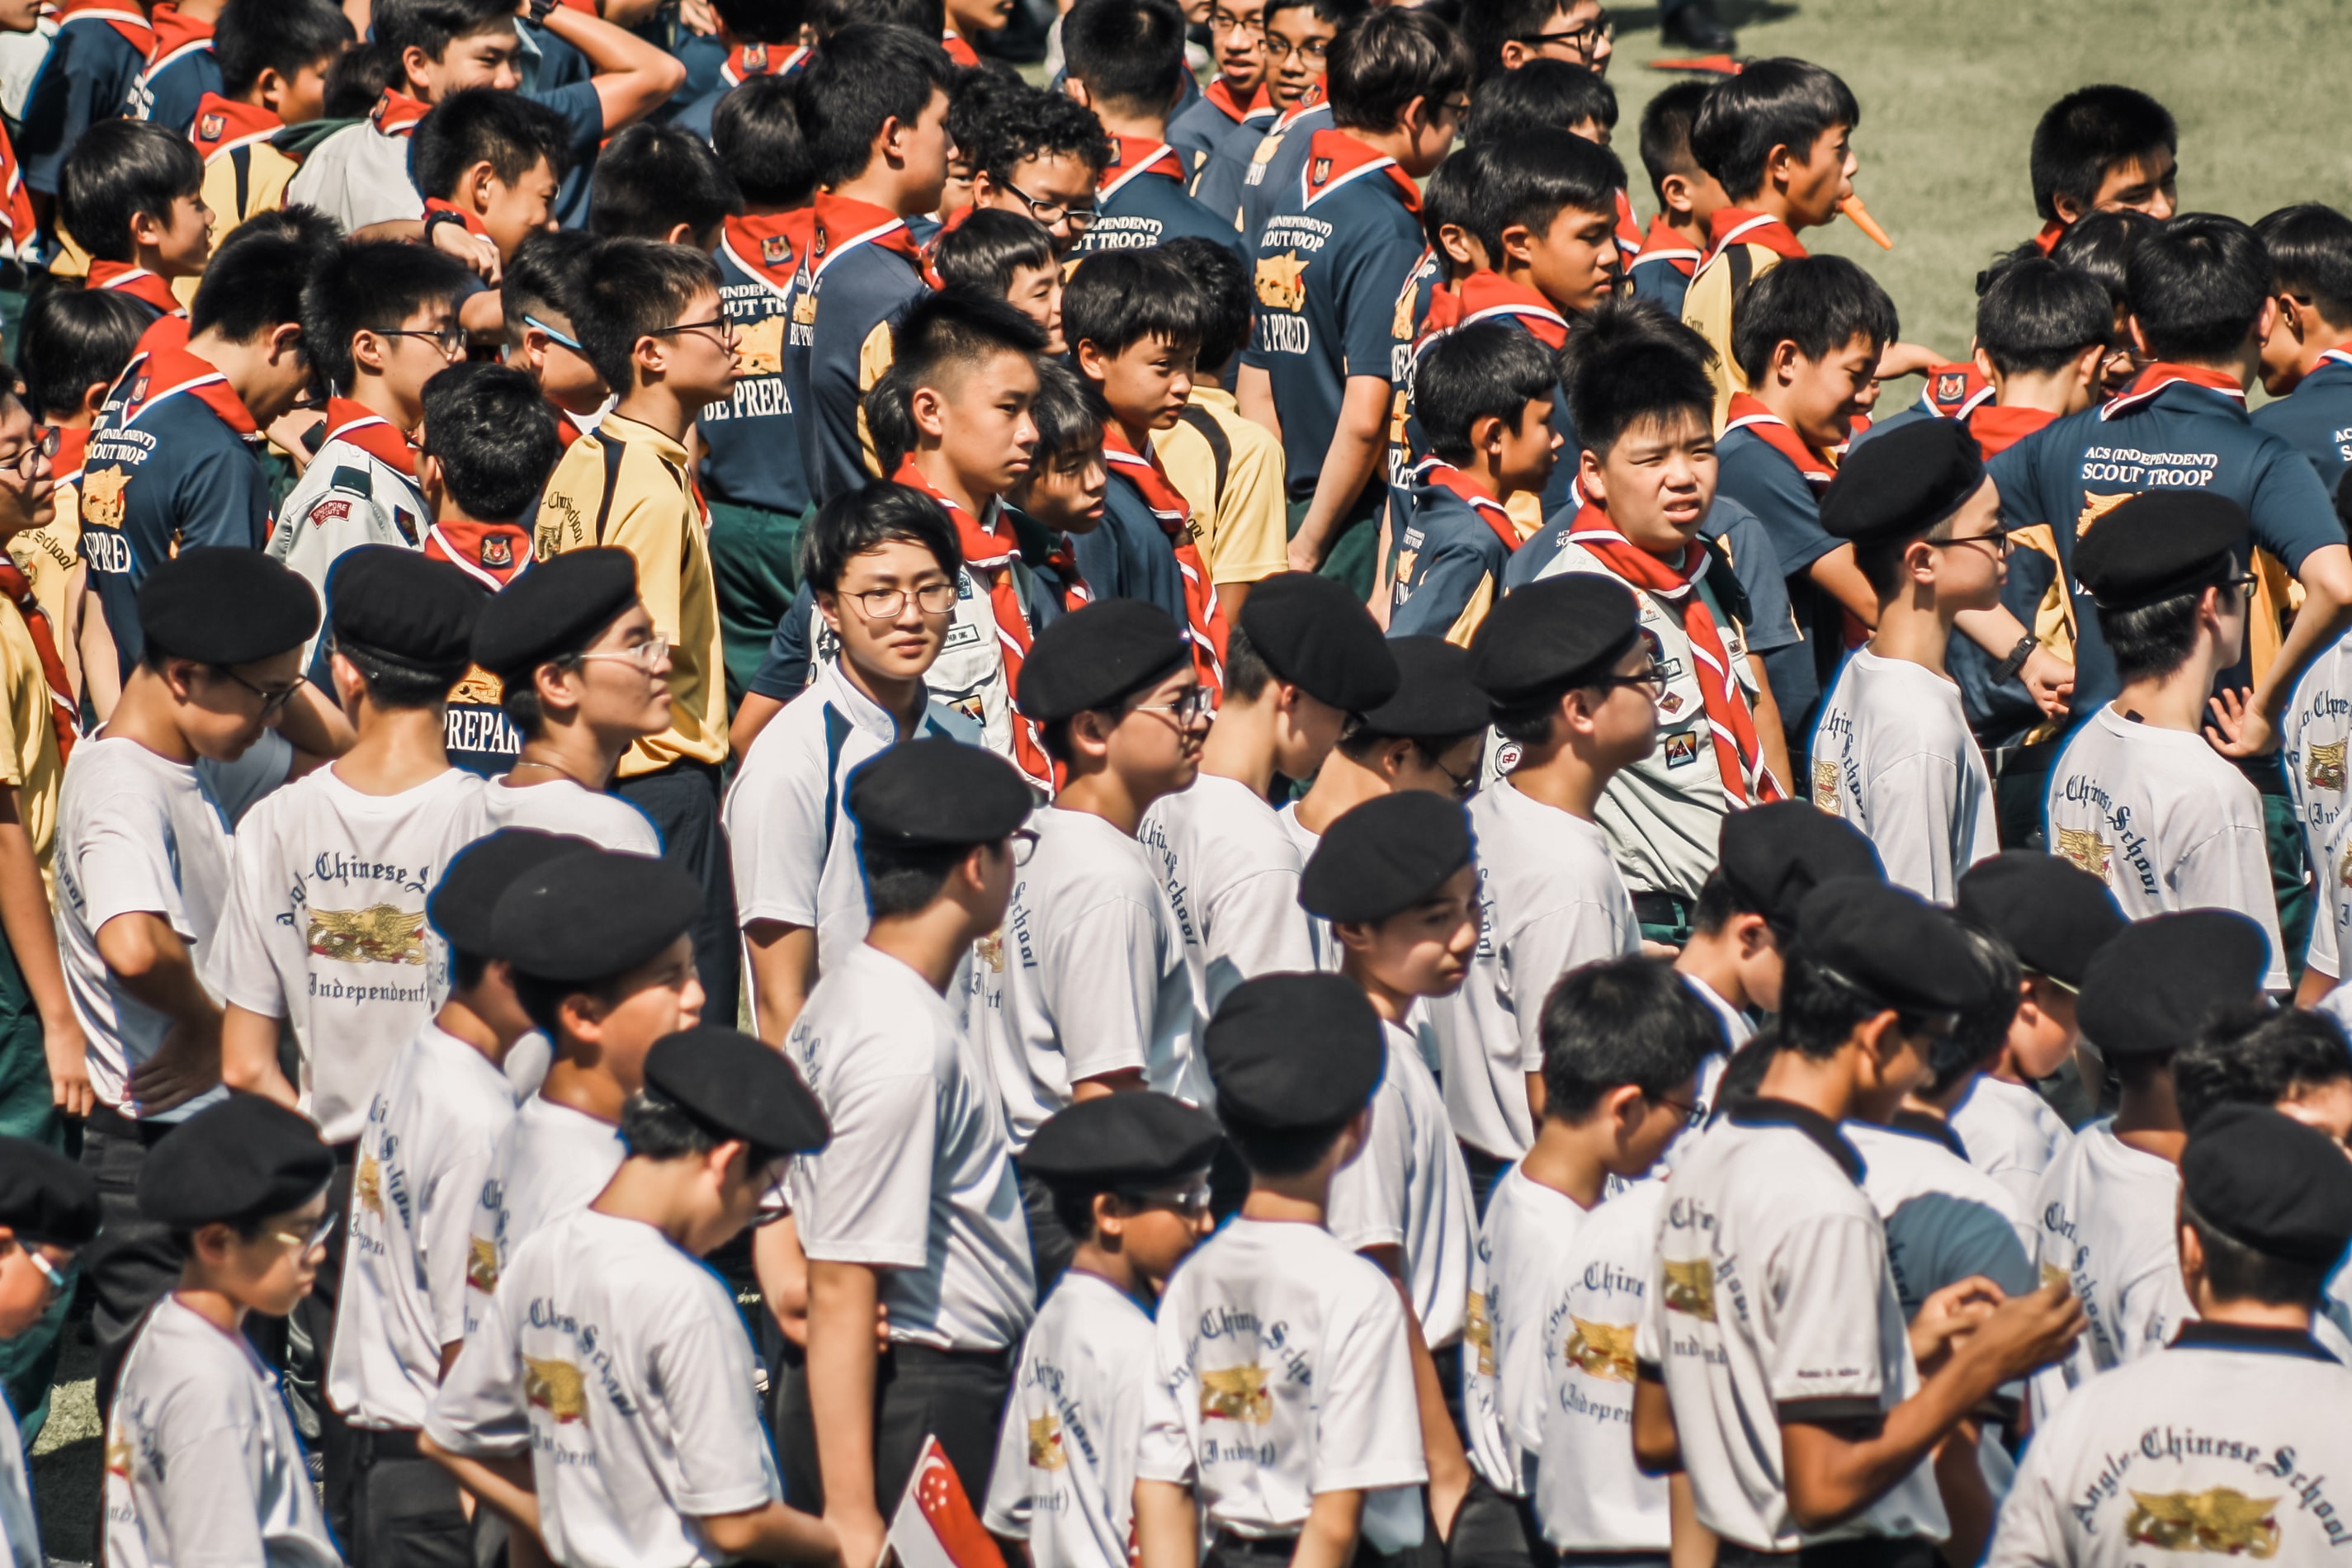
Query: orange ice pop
{"type": "Point", "coordinates": [1852, 207]}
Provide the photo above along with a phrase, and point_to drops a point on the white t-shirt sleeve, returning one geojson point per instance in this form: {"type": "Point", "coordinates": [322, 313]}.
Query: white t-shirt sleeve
{"type": "Point", "coordinates": [702, 1365]}
{"type": "Point", "coordinates": [1547, 947]}
{"type": "Point", "coordinates": [238, 963]}
{"type": "Point", "coordinates": [2231, 870]}
{"type": "Point", "coordinates": [1822, 1291]}
{"type": "Point", "coordinates": [445, 1235]}
{"type": "Point", "coordinates": [869, 1194]}
{"type": "Point", "coordinates": [123, 867]}
{"type": "Point", "coordinates": [1260, 927]}
{"type": "Point", "coordinates": [1100, 982]}
{"type": "Point", "coordinates": [1367, 1206]}
{"type": "Point", "coordinates": [209, 1480]}
{"type": "Point", "coordinates": [775, 834]}
{"type": "Point", "coordinates": [1367, 1416]}
{"type": "Point", "coordinates": [1913, 807]}
{"type": "Point", "coordinates": [479, 1409]}
{"type": "Point", "coordinates": [1163, 1452]}
{"type": "Point", "coordinates": [1006, 1510]}
{"type": "Point", "coordinates": [2031, 1530]}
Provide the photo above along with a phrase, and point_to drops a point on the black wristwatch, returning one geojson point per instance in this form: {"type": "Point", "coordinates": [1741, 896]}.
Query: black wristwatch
{"type": "Point", "coordinates": [434, 218]}
{"type": "Point", "coordinates": [2007, 668]}
{"type": "Point", "coordinates": [539, 8]}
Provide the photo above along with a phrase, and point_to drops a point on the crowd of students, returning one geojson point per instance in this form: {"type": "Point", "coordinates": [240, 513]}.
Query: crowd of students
{"type": "Point", "coordinates": [1401, 879]}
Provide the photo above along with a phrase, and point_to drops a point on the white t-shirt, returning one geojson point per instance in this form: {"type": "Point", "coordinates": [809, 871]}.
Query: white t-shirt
{"type": "Point", "coordinates": [1282, 1370]}
{"type": "Point", "coordinates": [550, 1162]}
{"type": "Point", "coordinates": [1319, 939]}
{"type": "Point", "coordinates": [357, 177]}
{"type": "Point", "coordinates": [2312, 735]}
{"type": "Point", "coordinates": [1772, 1299]}
{"type": "Point", "coordinates": [139, 833]}
{"type": "Point", "coordinates": [2165, 822]}
{"type": "Point", "coordinates": [325, 926]}
{"type": "Point", "coordinates": [621, 1365]}
{"type": "Point", "coordinates": [431, 1135]}
{"type": "Point", "coordinates": [202, 1463]}
{"type": "Point", "coordinates": [1945, 1219]}
{"type": "Point", "coordinates": [2010, 1134]}
{"type": "Point", "coordinates": [918, 1182]}
{"type": "Point", "coordinates": [1064, 1474]}
{"type": "Point", "coordinates": [1893, 755]}
{"type": "Point", "coordinates": [1088, 975]}
{"type": "Point", "coordinates": [1408, 1189]}
{"type": "Point", "coordinates": [1552, 899]}
{"type": "Point", "coordinates": [569, 807]}
{"type": "Point", "coordinates": [2108, 1216]}
{"type": "Point", "coordinates": [1232, 875]}
{"type": "Point", "coordinates": [1523, 1244]}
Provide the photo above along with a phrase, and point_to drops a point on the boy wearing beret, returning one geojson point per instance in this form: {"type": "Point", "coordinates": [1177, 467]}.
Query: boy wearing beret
{"type": "Point", "coordinates": [913, 1205]}
{"type": "Point", "coordinates": [202, 1462]}
{"type": "Point", "coordinates": [1129, 1175]}
{"type": "Point", "coordinates": [2265, 1211]}
{"type": "Point", "coordinates": [1303, 658]}
{"type": "Point", "coordinates": [1280, 1423]}
{"type": "Point", "coordinates": [48, 1213]}
{"type": "Point", "coordinates": [1892, 751]}
{"type": "Point", "coordinates": [2138, 798]}
{"type": "Point", "coordinates": [607, 1402]}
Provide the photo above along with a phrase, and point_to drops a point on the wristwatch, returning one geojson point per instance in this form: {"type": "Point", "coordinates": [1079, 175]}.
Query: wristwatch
{"type": "Point", "coordinates": [434, 218]}
{"type": "Point", "coordinates": [2015, 660]}
{"type": "Point", "coordinates": [539, 8]}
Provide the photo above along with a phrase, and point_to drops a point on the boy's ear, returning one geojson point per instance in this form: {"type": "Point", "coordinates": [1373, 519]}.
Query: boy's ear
{"type": "Point", "coordinates": [1676, 189]}
{"type": "Point", "coordinates": [1486, 434]}
{"type": "Point", "coordinates": [1516, 241]}
{"type": "Point", "coordinates": [93, 398]}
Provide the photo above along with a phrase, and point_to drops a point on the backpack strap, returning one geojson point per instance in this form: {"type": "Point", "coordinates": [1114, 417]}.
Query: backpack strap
{"type": "Point", "coordinates": [1743, 272]}
{"type": "Point", "coordinates": [241, 160]}
{"type": "Point", "coordinates": [614, 451]}
{"type": "Point", "coordinates": [1220, 447]}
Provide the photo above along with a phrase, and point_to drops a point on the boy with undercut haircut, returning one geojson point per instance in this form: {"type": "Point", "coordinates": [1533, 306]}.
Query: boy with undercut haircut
{"type": "Point", "coordinates": [1331, 263]}
{"type": "Point", "coordinates": [131, 194]}
{"type": "Point", "coordinates": [2043, 333]}
{"type": "Point", "coordinates": [494, 159]}
{"type": "Point", "coordinates": [1238, 94]}
{"type": "Point", "coordinates": [542, 295]}
{"type": "Point", "coordinates": [999, 255]}
{"type": "Point", "coordinates": [272, 56]}
{"type": "Point", "coordinates": [2103, 148]}
{"type": "Point", "coordinates": [1038, 156]}
{"type": "Point", "coordinates": [1484, 395]}
{"type": "Point", "coordinates": [1126, 64]}
{"type": "Point", "coordinates": [2308, 352]}
{"type": "Point", "coordinates": [1689, 197]}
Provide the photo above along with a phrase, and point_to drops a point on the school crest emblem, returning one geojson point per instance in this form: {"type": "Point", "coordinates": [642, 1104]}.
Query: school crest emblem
{"type": "Point", "coordinates": [1406, 560]}
{"type": "Point", "coordinates": [1951, 386]}
{"type": "Point", "coordinates": [1401, 325]}
{"type": "Point", "coordinates": [367, 1185]}
{"type": "Point", "coordinates": [102, 496]}
{"type": "Point", "coordinates": [1478, 1330]}
{"type": "Point", "coordinates": [1682, 750]}
{"type": "Point", "coordinates": [209, 127]}
{"type": "Point", "coordinates": [482, 1266]}
{"type": "Point", "coordinates": [1604, 1350]}
{"type": "Point", "coordinates": [2086, 849]}
{"type": "Point", "coordinates": [1235, 1394]}
{"type": "Point", "coordinates": [804, 310]}
{"type": "Point", "coordinates": [1690, 1288]}
{"type": "Point", "coordinates": [775, 250]}
{"type": "Point", "coordinates": [990, 950]}
{"type": "Point", "coordinates": [1322, 174]}
{"type": "Point", "coordinates": [1045, 1445]}
{"type": "Point", "coordinates": [1825, 791]}
{"type": "Point", "coordinates": [755, 58]}
{"type": "Point", "coordinates": [479, 687]}
{"type": "Point", "coordinates": [556, 1388]}
{"type": "Point", "coordinates": [496, 551]}
{"type": "Point", "coordinates": [2221, 1521]}
{"type": "Point", "coordinates": [2097, 506]}
{"type": "Point", "coordinates": [759, 349]}
{"type": "Point", "coordinates": [1282, 281]}
{"type": "Point", "coordinates": [379, 933]}
{"type": "Point", "coordinates": [2325, 770]}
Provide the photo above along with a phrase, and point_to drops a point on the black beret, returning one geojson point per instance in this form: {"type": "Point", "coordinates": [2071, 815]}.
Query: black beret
{"type": "Point", "coordinates": [397, 606]}
{"type": "Point", "coordinates": [1891, 944]}
{"type": "Point", "coordinates": [557, 607]}
{"type": "Point", "coordinates": [2158, 544]}
{"type": "Point", "coordinates": [1092, 659]}
{"type": "Point", "coordinates": [226, 604]}
{"type": "Point", "coordinates": [2156, 984]}
{"type": "Point", "coordinates": [590, 917]}
{"type": "Point", "coordinates": [1385, 856]}
{"type": "Point", "coordinates": [1435, 697]}
{"type": "Point", "coordinates": [1313, 632]}
{"type": "Point", "coordinates": [1122, 1141]}
{"type": "Point", "coordinates": [1901, 484]}
{"type": "Point", "coordinates": [2268, 1182]}
{"type": "Point", "coordinates": [461, 903]}
{"type": "Point", "coordinates": [736, 1087]}
{"type": "Point", "coordinates": [1771, 856]}
{"type": "Point", "coordinates": [2055, 913]}
{"type": "Point", "coordinates": [937, 791]}
{"type": "Point", "coordinates": [1295, 1050]}
{"type": "Point", "coordinates": [242, 1159]}
{"type": "Point", "coordinates": [1541, 636]}
{"type": "Point", "coordinates": [44, 1196]}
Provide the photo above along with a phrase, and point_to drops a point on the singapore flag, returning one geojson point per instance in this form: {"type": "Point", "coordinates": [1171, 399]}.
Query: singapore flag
{"type": "Point", "coordinates": [935, 1526]}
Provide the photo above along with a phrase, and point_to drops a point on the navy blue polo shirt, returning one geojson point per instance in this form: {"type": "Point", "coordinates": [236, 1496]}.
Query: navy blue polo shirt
{"type": "Point", "coordinates": [1660, 281]}
{"type": "Point", "coordinates": [1447, 562]}
{"type": "Point", "coordinates": [86, 76]}
{"type": "Point", "coordinates": [1408, 443]}
{"type": "Point", "coordinates": [859, 277]}
{"type": "Point", "coordinates": [1141, 204]}
{"type": "Point", "coordinates": [1196, 132]}
{"type": "Point", "coordinates": [1218, 183]}
{"type": "Point", "coordinates": [1487, 296]}
{"type": "Point", "coordinates": [752, 446]}
{"type": "Point", "coordinates": [171, 91]}
{"type": "Point", "coordinates": [1755, 475]}
{"type": "Point", "coordinates": [1127, 554]}
{"type": "Point", "coordinates": [1271, 183]}
{"type": "Point", "coordinates": [2316, 418]}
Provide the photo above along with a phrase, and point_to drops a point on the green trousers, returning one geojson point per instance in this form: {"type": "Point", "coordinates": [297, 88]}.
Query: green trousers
{"type": "Point", "coordinates": [1354, 554]}
{"type": "Point", "coordinates": [755, 567]}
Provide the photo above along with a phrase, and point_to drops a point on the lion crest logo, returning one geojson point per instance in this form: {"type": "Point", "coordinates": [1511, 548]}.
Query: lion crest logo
{"type": "Point", "coordinates": [482, 1266]}
{"type": "Point", "coordinates": [210, 127]}
{"type": "Point", "coordinates": [2221, 1521]}
{"type": "Point", "coordinates": [1604, 1350]}
{"type": "Point", "coordinates": [755, 58]}
{"type": "Point", "coordinates": [380, 934]}
{"type": "Point", "coordinates": [102, 496]}
{"type": "Point", "coordinates": [2325, 767]}
{"type": "Point", "coordinates": [367, 1185]}
{"type": "Point", "coordinates": [775, 250]}
{"type": "Point", "coordinates": [1235, 1394]}
{"type": "Point", "coordinates": [556, 1388]}
{"type": "Point", "coordinates": [2086, 850]}
{"type": "Point", "coordinates": [1045, 1445]}
{"type": "Point", "coordinates": [1825, 789]}
{"type": "Point", "coordinates": [1690, 1288]}
{"type": "Point", "coordinates": [1282, 281]}
{"type": "Point", "coordinates": [118, 1455]}
{"type": "Point", "coordinates": [2053, 1275]}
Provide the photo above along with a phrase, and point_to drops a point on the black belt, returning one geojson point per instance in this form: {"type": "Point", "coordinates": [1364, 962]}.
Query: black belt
{"type": "Point", "coordinates": [1853, 1552]}
{"type": "Point", "coordinates": [104, 1119]}
{"type": "Point", "coordinates": [931, 1355]}
{"type": "Point", "coordinates": [1272, 1549]}
{"type": "Point", "coordinates": [371, 1443]}
{"type": "Point", "coordinates": [2021, 762]}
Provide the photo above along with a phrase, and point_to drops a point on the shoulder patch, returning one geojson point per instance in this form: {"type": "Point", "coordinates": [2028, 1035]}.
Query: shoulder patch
{"type": "Point", "coordinates": [346, 478]}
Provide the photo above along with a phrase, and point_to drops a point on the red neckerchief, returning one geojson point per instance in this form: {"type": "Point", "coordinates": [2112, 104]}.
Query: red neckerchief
{"type": "Point", "coordinates": [1205, 619]}
{"type": "Point", "coordinates": [964, 54]}
{"type": "Point", "coordinates": [356, 425]}
{"type": "Point", "coordinates": [1313, 98]}
{"type": "Point", "coordinates": [124, 18]}
{"type": "Point", "coordinates": [1486, 295]}
{"type": "Point", "coordinates": [64, 709]}
{"type": "Point", "coordinates": [164, 365]}
{"type": "Point", "coordinates": [2052, 233]}
{"type": "Point", "coordinates": [1629, 227]}
{"type": "Point", "coordinates": [2336, 356]}
{"type": "Point", "coordinates": [990, 550]}
{"type": "Point", "coordinates": [1738, 758]}
{"type": "Point", "coordinates": [397, 113]}
{"type": "Point", "coordinates": [1667, 244]}
{"type": "Point", "coordinates": [1738, 226]}
{"type": "Point", "coordinates": [838, 224]}
{"type": "Point", "coordinates": [136, 281]}
{"type": "Point", "coordinates": [1220, 97]}
{"type": "Point", "coordinates": [567, 428]}
{"type": "Point", "coordinates": [1335, 159]}
{"type": "Point", "coordinates": [73, 445]}
{"type": "Point", "coordinates": [174, 35]}
{"type": "Point", "coordinates": [473, 224]}
{"type": "Point", "coordinates": [748, 60]}
{"type": "Point", "coordinates": [492, 553]}
{"type": "Point", "coordinates": [22, 225]}
{"type": "Point", "coordinates": [1445, 476]}
{"type": "Point", "coordinates": [1444, 315]}
{"type": "Point", "coordinates": [1996, 428]}
{"type": "Point", "coordinates": [2161, 374]}
{"type": "Point", "coordinates": [1748, 412]}
{"type": "Point", "coordinates": [1135, 155]}
{"type": "Point", "coordinates": [223, 125]}
{"type": "Point", "coordinates": [1955, 390]}
{"type": "Point", "coordinates": [770, 247]}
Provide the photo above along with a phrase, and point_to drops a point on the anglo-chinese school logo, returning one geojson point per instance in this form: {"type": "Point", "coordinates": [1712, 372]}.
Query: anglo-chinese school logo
{"type": "Point", "coordinates": [482, 1266]}
{"type": "Point", "coordinates": [1235, 1394]}
{"type": "Point", "coordinates": [556, 1388]}
{"type": "Point", "coordinates": [1825, 790]}
{"type": "Point", "coordinates": [380, 934]}
{"type": "Point", "coordinates": [2096, 507]}
{"type": "Point", "coordinates": [1690, 1288]}
{"type": "Point", "coordinates": [367, 1185]}
{"type": "Point", "coordinates": [1604, 1350]}
{"type": "Point", "coordinates": [210, 126]}
{"type": "Point", "coordinates": [2325, 768]}
{"type": "Point", "coordinates": [1282, 281]}
{"type": "Point", "coordinates": [102, 496]}
{"type": "Point", "coordinates": [2086, 850]}
{"type": "Point", "coordinates": [118, 1455]}
{"type": "Point", "coordinates": [1045, 1445]}
{"type": "Point", "coordinates": [2221, 1521]}
{"type": "Point", "coordinates": [2053, 1275]}
{"type": "Point", "coordinates": [1478, 1330]}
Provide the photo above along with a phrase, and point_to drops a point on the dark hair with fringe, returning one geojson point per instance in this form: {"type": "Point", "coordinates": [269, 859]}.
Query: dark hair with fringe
{"type": "Point", "coordinates": [2036, 316]}
{"type": "Point", "coordinates": [1627, 362]}
{"type": "Point", "coordinates": [485, 125]}
{"type": "Point", "coordinates": [1771, 103]}
{"type": "Point", "coordinates": [371, 285]}
{"type": "Point", "coordinates": [1542, 95]}
{"type": "Point", "coordinates": [1384, 60]}
{"type": "Point", "coordinates": [117, 171]}
{"type": "Point", "coordinates": [864, 75]}
{"type": "Point", "coordinates": [288, 37]}
{"type": "Point", "coordinates": [1490, 370]}
{"type": "Point", "coordinates": [72, 340]}
{"type": "Point", "coordinates": [1119, 298]}
{"type": "Point", "coordinates": [1537, 175]}
{"type": "Point", "coordinates": [877, 513]}
{"type": "Point", "coordinates": [2310, 249]}
{"type": "Point", "coordinates": [1821, 303]}
{"type": "Point", "coordinates": [1666, 121]}
{"type": "Point", "coordinates": [2088, 132]}
{"type": "Point", "coordinates": [1620, 1021]}
{"type": "Point", "coordinates": [634, 289]}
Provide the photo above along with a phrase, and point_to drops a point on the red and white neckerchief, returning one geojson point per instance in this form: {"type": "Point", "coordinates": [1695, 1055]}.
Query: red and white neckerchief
{"type": "Point", "coordinates": [2161, 374]}
{"type": "Point", "coordinates": [176, 37]}
{"type": "Point", "coordinates": [1133, 156]}
{"type": "Point", "coordinates": [2052, 233]}
{"type": "Point", "coordinates": [1854, 432]}
{"type": "Point", "coordinates": [1629, 228]}
{"type": "Point", "coordinates": [223, 125]}
{"type": "Point", "coordinates": [748, 60]}
{"type": "Point", "coordinates": [1955, 390]}
{"type": "Point", "coordinates": [356, 425]}
{"type": "Point", "coordinates": [1312, 98]}
{"type": "Point", "coordinates": [1996, 428]}
{"type": "Point", "coordinates": [64, 709]}
{"type": "Point", "coordinates": [1489, 296]}
{"type": "Point", "coordinates": [1439, 474]}
{"type": "Point", "coordinates": [964, 54]}
{"type": "Point", "coordinates": [125, 278]}
{"type": "Point", "coordinates": [839, 224]}
{"type": "Point", "coordinates": [769, 247]}
{"type": "Point", "coordinates": [1748, 412]}
{"type": "Point", "coordinates": [1335, 159]}
{"type": "Point", "coordinates": [2336, 356]}
{"type": "Point", "coordinates": [23, 229]}
{"type": "Point", "coordinates": [73, 447]}
{"type": "Point", "coordinates": [1665, 243]}
{"type": "Point", "coordinates": [1738, 226]}
{"type": "Point", "coordinates": [397, 113]}
{"type": "Point", "coordinates": [1259, 106]}
{"type": "Point", "coordinates": [990, 550]}
{"type": "Point", "coordinates": [127, 20]}
{"type": "Point", "coordinates": [568, 428]}
{"type": "Point", "coordinates": [492, 553]}
{"type": "Point", "coordinates": [165, 368]}
{"type": "Point", "coordinates": [1738, 756]}
{"type": "Point", "coordinates": [1205, 619]}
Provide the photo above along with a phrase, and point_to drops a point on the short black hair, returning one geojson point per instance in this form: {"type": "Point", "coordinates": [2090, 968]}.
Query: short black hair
{"type": "Point", "coordinates": [651, 178]}
{"type": "Point", "coordinates": [2197, 287]}
{"type": "Point", "coordinates": [1666, 121]}
{"type": "Point", "coordinates": [1334, 13]}
{"type": "Point", "coordinates": [2088, 132]}
{"type": "Point", "coordinates": [756, 132]}
{"type": "Point", "coordinates": [763, 21]}
{"type": "Point", "coordinates": [542, 999]}
{"type": "Point", "coordinates": [1224, 291]}
{"type": "Point", "coordinates": [1719, 904]}
{"type": "Point", "coordinates": [924, 18]}
{"type": "Point", "coordinates": [1488, 370]}
{"type": "Point", "coordinates": [1536, 176]}
{"type": "Point", "coordinates": [861, 520]}
{"type": "Point", "coordinates": [1543, 94]}
{"type": "Point", "coordinates": [505, 130]}
{"type": "Point", "coordinates": [982, 253]}
{"type": "Point", "coordinates": [1384, 60]}
{"type": "Point", "coordinates": [1821, 303]}
{"type": "Point", "coordinates": [547, 275]}
{"type": "Point", "coordinates": [1278, 1151]}
{"type": "Point", "coordinates": [393, 686]}
{"type": "Point", "coordinates": [494, 436]}
{"type": "Point", "coordinates": [1129, 54]}
{"type": "Point", "coordinates": [2236, 1272]}
{"type": "Point", "coordinates": [901, 880]}
{"type": "Point", "coordinates": [373, 285]}
{"type": "Point", "coordinates": [2100, 245]}
{"type": "Point", "coordinates": [1620, 1021]}
{"type": "Point", "coordinates": [252, 286]}
{"type": "Point", "coordinates": [2036, 316]}
{"type": "Point", "coordinates": [1488, 24]}
{"type": "Point", "coordinates": [866, 74]}
{"type": "Point", "coordinates": [119, 168]}
{"type": "Point", "coordinates": [1010, 125]}
{"type": "Point", "coordinates": [1820, 1009]}
{"type": "Point", "coordinates": [2259, 1056]}
{"type": "Point", "coordinates": [1771, 103]}
{"type": "Point", "coordinates": [1116, 298]}
{"type": "Point", "coordinates": [959, 329]}
{"type": "Point", "coordinates": [2310, 249]}
{"type": "Point", "coordinates": [654, 1129]}
{"type": "Point", "coordinates": [1067, 416]}
{"type": "Point", "coordinates": [1454, 195]}
{"type": "Point", "coordinates": [73, 339]}
{"type": "Point", "coordinates": [283, 35]}
{"type": "Point", "coordinates": [634, 289]}
{"type": "Point", "coordinates": [358, 77]}
{"type": "Point", "coordinates": [2151, 641]}
{"type": "Point", "coordinates": [1982, 1030]}
{"type": "Point", "coordinates": [1627, 362]}
{"type": "Point", "coordinates": [433, 26]}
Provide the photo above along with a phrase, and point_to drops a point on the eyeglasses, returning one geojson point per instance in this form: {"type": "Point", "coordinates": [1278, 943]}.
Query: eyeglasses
{"type": "Point", "coordinates": [1998, 541]}
{"type": "Point", "coordinates": [449, 340]}
{"type": "Point", "coordinates": [1653, 677]}
{"type": "Point", "coordinates": [644, 655]}
{"type": "Point", "coordinates": [1024, 842]}
{"type": "Point", "coordinates": [1226, 22]}
{"type": "Point", "coordinates": [887, 603]}
{"type": "Point", "coordinates": [1050, 212]}
{"type": "Point", "coordinates": [273, 698]}
{"type": "Point", "coordinates": [566, 338]}
{"type": "Point", "coordinates": [726, 330]}
{"type": "Point", "coordinates": [1197, 703]}
{"type": "Point", "coordinates": [1313, 51]}
{"type": "Point", "coordinates": [1464, 784]}
{"type": "Point", "coordinates": [1692, 1114]}
{"type": "Point", "coordinates": [1190, 1202]}
{"type": "Point", "coordinates": [27, 463]}
{"type": "Point", "coordinates": [50, 1274]}
{"type": "Point", "coordinates": [304, 1243]}
{"type": "Point", "coordinates": [2245, 583]}
{"type": "Point", "coordinates": [1581, 39]}
{"type": "Point", "coordinates": [1454, 108]}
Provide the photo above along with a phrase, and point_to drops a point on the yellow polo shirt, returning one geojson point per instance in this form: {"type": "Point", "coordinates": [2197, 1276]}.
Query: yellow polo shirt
{"type": "Point", "coordinates": [29, 763]}
{"type": "Point", "coordinates": [1241, 529]}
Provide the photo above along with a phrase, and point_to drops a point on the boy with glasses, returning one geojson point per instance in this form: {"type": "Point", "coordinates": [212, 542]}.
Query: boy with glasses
{"type": "Point", "coordinates": [1039, 154]}
{"type": "Point", "coordinates": [1504, 35]}
{"type": "Point", "coordinates": [1126, 64]}
{"type": "Point", "coordinates": [1296, 39]}
{"type": "Point", "coordinates": [1238, 94]}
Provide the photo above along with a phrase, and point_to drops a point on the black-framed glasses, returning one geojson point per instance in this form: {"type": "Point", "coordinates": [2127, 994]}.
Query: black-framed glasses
{"type": "Point", "coordinates": [2000, 541]}
{"type": "Point", "coordinates": [1314, 51]}
{"type": "Point", "coordinates": [1051, 212]}
{"type": "Point", "coordinates": [886, 604]}
{"type": "Point", "coordinates": [1224, 21]}
{"type": "Point", "coordinates": [272, 698]}
{"type": "Point", "coordinates": [449, 340]}
{"type": "Point", "coordinates": [1024, 842]}
{"type": "Point", "coordinates": [1580, 39]}
{"type": "Point", "coordinates": [725, 328]}
{"type": "Point", "coordinates": [27, 463]}
{"type": "Point", "coordinates": [1464, 784]}
{"type": "Point", "coordinates": [2245, 583]}
{"type": "Point", "coordinates": [1693, 1113]}
{"type": "Point", "coordinates": [1198, 703]}
{"type": "Point", "coordinates": [1652, 676]}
